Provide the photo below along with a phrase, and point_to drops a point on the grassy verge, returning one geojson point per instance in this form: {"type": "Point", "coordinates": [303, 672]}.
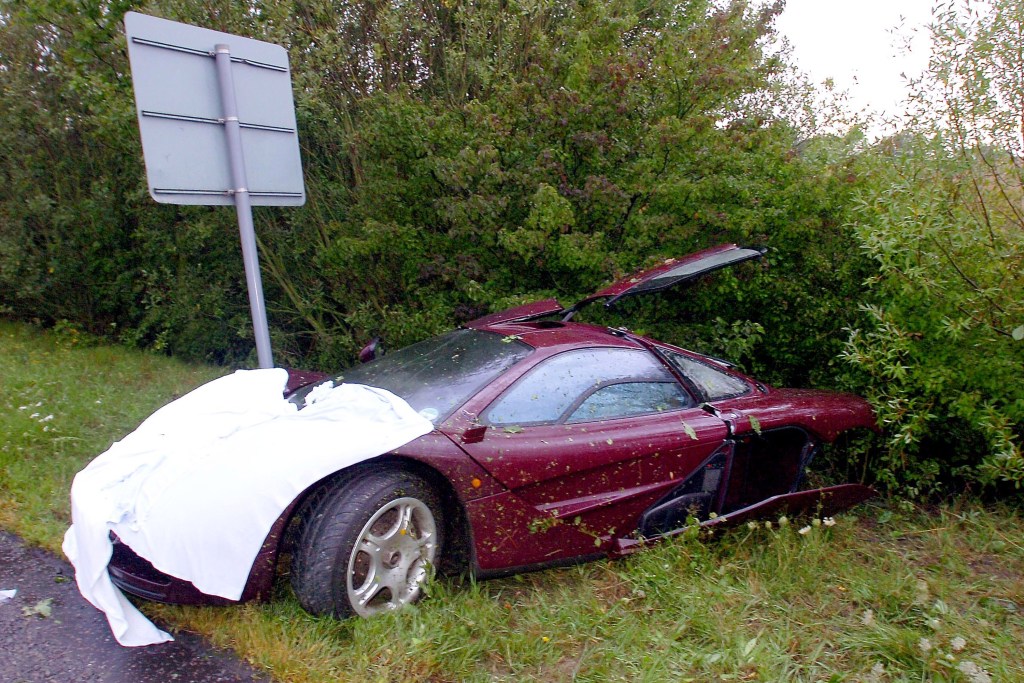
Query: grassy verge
{"type": "Point", "coordinates": [64, 401]}
{"type": "Point", "coordinates": [881, 596]}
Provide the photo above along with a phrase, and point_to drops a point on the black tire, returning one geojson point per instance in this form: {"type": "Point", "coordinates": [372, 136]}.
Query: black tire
{"type": "Point", "coordinates": [368, 544]}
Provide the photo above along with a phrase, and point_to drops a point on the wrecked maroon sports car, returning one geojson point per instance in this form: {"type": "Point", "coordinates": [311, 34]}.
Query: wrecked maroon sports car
{"type": "Point", "coordinates": [554, 442]}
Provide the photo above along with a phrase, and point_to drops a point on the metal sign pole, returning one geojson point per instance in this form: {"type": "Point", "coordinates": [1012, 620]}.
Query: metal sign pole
{"type": "Point", "coordinates": [243, 206]}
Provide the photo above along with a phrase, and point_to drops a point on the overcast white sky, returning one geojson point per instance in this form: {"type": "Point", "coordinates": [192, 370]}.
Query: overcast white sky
{"type": "Point", "coordinates": [852, 42]}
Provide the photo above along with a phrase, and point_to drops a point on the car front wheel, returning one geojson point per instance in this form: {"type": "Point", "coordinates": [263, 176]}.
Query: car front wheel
{"type": "Point", "coordinates": [368, 544]}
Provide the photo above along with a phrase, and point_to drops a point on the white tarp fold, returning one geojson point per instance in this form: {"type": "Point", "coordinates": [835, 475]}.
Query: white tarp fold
{"type": "Point", "coordinates": [196, 488]}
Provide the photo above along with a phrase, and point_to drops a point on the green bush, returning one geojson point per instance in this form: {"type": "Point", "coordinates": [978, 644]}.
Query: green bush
{"type": "Point", "coordinates": [494, 152]}
{"type": "Point", "coordinates": [941, 218]}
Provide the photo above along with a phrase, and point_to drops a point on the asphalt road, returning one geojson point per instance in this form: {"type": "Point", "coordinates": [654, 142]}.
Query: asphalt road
{"type": "Point", "coordinates": [74, 643]}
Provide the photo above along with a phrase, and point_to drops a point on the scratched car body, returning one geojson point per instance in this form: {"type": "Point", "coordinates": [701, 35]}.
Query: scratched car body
{"type": "Point", "coordinates": [554, 442]}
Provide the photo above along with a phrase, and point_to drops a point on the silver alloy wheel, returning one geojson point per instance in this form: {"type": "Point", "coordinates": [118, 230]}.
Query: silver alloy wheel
{"type": "Point", "coordinates": [391, 557]}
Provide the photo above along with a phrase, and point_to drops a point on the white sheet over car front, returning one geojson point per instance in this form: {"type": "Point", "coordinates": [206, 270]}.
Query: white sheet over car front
{"type": "Point", "coordinates": [196, 488]}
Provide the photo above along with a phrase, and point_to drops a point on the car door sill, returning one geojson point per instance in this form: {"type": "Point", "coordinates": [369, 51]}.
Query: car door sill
{"type": "Point", "coordinates": [823, 502]}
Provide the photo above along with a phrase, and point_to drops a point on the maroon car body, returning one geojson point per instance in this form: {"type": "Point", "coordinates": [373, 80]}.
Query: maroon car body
{"type": "Point", "coordinates": [521, 489]}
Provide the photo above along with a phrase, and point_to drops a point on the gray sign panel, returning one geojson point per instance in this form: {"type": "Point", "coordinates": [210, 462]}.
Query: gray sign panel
{"type": "Point", "coordinates": [182, 121]}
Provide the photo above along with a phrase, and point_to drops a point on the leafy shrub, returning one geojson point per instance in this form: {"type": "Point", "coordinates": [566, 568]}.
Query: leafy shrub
{"type": "Point", "coordinates": [943, 353]}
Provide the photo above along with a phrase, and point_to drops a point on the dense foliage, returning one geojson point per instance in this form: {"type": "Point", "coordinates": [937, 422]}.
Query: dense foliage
{"type": "Point", "coordinates": [461, 157]}
{"type": "Point", "coordinates": [943, 218]}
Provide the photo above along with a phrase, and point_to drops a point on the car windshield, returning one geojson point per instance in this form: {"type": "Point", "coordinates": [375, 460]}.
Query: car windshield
{"type": "Point", "coordinates": [438, 375]}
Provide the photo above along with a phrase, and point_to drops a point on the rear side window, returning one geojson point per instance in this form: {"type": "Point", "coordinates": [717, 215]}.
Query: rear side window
{"type": "Point", "coordinates": [714, 383]}
{"type": "Point", "coordinates": [587, 385]}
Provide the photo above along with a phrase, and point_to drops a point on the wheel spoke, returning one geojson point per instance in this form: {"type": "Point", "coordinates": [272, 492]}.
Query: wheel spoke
{"type": "Point", "coordinates": [405, 519]}
{"type": "Point", "coordinates": [424, 540]}
{"type": "Point", "coordinates": [367, 591]}
{"type": "Point", "coordinates": [371, 545]}
{"type": "Point", "coordinates": [395, 582]}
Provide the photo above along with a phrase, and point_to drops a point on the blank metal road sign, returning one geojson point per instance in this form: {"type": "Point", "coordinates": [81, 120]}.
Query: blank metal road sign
{"type": "Point", "coordinates": [218, 127]}
{"type": "Point", "coordinates": [181, 114]}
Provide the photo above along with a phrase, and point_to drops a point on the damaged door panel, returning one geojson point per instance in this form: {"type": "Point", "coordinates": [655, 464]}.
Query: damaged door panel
{"type": "Point", "coordinates": [745, 470]}
{"type": "Point", "coordinates": [823, 502]}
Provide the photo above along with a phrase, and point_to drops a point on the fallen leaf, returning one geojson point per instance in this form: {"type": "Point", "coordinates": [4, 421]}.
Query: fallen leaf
{"type": "Point", "coordinates": [43, 608]}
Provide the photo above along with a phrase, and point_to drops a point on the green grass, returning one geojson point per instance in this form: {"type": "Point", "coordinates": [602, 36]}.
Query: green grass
{"type": "Point", "coordinates": [63, 401]}
{"type": "Point", "coordinates": [884, 595]}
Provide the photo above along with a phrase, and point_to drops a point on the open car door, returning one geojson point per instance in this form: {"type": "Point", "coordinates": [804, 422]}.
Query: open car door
{"type": "Point", "coordinates": [670, 273]}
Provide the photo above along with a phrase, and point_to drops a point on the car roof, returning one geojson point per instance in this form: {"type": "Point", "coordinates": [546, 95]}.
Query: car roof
{"type": "Point", "coordinates": [552, 336]}
{"type": "Point", "coordinates": [556, 336]}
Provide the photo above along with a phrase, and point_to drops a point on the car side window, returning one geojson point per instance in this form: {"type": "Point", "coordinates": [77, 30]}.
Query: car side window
{"type": "Point", "coordinates": [715, 383]}
{"type": "Point", "coordinates": [589, 384]}
{"type": "Point", "coordinates": [631, 398]}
